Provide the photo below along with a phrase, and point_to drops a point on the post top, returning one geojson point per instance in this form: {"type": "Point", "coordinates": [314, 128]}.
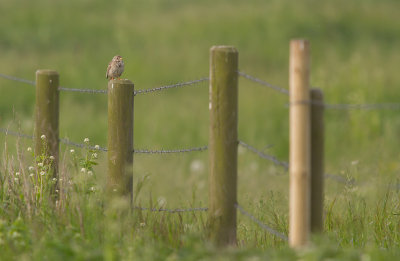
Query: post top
{"type": "Point", "coordinates": [120, 81]}
{"type": "Point", "coordinates": [299, 40]}
{"type": "Point", "coordinates": [224, 48]}
{"type": "Point", "coordinates": [299, 43]}
{"type": "Point", "coordinates": [47, 72]}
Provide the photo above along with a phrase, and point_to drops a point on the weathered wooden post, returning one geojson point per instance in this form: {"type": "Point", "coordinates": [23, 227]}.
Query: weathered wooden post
{"type": "Point", "coordinates": [120, 137]}
{"type": "Point", "coordinates": [317, 160]}
{"type": "Point", "coordinates": [299, 156]}
{"type": "Point", "coordinates": [47, 116]}
{"type": "Point", "coordinates": [223, 142]}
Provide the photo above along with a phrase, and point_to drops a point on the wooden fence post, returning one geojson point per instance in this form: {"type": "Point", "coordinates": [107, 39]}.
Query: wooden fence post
{"type": "Point", "coordinates": [120, 137]}
{"type": "Point", "coordinates": [47, 116]}
{"type": "Point", "coordinates": [317, 160]}
{"type": "Point", "coordinates": [299, 156]}
{"type": "Point", "coordinates": [223, 142]}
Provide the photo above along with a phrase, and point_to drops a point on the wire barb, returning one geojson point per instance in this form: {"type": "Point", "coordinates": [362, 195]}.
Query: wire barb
{"type": "Point", "coordinates": [264, 83]}
{"type": "Point", "coordinates": [264, 156]}
{"type": "Point", "coordinates": [13, 78]}
{"type": "Point", "coordinates": [177, 85]}
{"type": "Point", "coordinates": [177, 210]}
{"type": "Point", "coordinates": [261, 224]}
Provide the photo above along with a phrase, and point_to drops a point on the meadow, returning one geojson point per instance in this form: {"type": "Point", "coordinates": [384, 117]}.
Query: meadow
{"type": "Point", "coordinates": [355, 60]}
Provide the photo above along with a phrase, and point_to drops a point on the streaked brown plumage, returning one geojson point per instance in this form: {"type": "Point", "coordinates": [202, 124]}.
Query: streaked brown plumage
{"type": "Point", "coordinates": [115, 68]}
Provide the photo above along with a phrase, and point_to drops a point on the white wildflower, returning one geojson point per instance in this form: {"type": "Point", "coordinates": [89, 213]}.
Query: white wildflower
{"type": "Point", "coordinates": [29, 149]}
{"type": "Point", "coordinates": [40, 164]}
{"type": "Point", "coordinates": [197, 166]}
{"type": "Point", "coordinates": [92, 189]}
{"type": "Point", "coordinates": [56, 190]}
{"type": "Point", "coordinates": [142, 224]}
{"type": "Point", "coordinates": [94, 155]}
{"type": "Point", "coordinates": [86, 140]}
{"type": "Point", "coordinates": [83, 170]}
{"type": "Point", "coordinates": [355, 162]}
{"type": "Point", "coordinates": [15, 179]}
{"type": "Point", "coordinates": [52, 157]}
{"type": "Point", "coordinates": [72, 151]}
{"type": "Point", "coordinates": [43, 137]}
{"type": "Point", "coordinates": [42, 173]}
{"type": "Point", "coordinates": [54, 179]}
{"type": "Point", "coordinates": [161, 201]}
{"type": "Point", "coordinates": [97, 147]}
{"type": "Point", "coordinates": [31, 168]}
{"type": "Point", "coordinates": [17, 173]}
{"type": "Point", "coordinates": [90, 173]}
{"type": "Point", "coordinates": [31, 175]}
{"type": "Point", "coordinates": [15, 234]}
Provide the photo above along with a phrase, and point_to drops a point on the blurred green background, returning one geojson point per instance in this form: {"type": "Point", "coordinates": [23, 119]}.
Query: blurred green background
{"type": "Point", "coordinates": [355, 59]}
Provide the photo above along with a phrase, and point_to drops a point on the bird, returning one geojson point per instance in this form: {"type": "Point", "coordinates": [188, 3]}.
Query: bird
{"type": "Point", "coordinates": [115, 68]}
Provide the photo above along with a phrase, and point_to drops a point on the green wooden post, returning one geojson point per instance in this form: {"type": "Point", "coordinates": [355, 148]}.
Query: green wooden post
{"type": "Point", "coordinates": [223, 141]}
{"type": "Point", "coordinates": [120, 137]}
{"type": "Point", "coordinates": [317, 160]}
{"type": "Point", "coordinates": [47, 115]}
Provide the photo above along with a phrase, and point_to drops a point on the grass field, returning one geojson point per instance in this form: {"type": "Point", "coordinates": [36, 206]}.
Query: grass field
{"type": "Point", "coordinates": [355, 59]}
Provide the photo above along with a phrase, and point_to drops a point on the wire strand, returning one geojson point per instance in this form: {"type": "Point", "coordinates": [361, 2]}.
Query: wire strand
{"type": "Point", "coordinates": [177, 85]}
{"type": "Point", "coordinates": [261, 224]}
{"type": "Point", "coordinates": [16, 134]}
{"type": "Point", "coordinates": [82, 145]}
{"type": "Point", "coordinates": [265, 156]}
{"type": "Point", "coordinates": [146, 151]}
{"type": "Point", "coordinates": [92, 91]}
{"type": "Point", "coordinates": [177, 210]}
{"type": "Point", "coordinates": [264, 83]}
{"type": "Point", "coordinates": [13, 78]}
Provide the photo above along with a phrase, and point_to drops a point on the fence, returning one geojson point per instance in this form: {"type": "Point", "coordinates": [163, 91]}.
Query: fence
{"type": "Point", "coordinates": [306, 166]}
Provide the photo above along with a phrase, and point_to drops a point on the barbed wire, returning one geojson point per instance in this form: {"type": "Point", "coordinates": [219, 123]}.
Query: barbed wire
{"type": "Point", "coordinates": [264, 83]}
{"type": "Point", "coordinates": [265, 156]}
{"type": "Point", "coordinates": [285, 165]}
{"type": "Point", "coordinates": [13, 78]}
{"type": "Point", "coordinates": [177, 210]}
{"type": "Point", "coordinates": [261, 224]}
{"type": "Point", "coordinates": [82, 145]}
{"type": "Point", "coordinates": [146, 151]}
{"type": "Point", "coordinates": [340, 179]}
{"type": "Point", "coordinates": [343, 106]}
{"type": "Point", "coordinates": [92, 91]}
{"type": "Point", "coordinates": [16, 134]}
{"type": "Point", "coordinates": [366, 106]}
{"type": "Point", "coordinates": [177, 85]}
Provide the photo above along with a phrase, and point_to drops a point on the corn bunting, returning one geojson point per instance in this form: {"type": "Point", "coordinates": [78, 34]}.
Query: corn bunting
{"type": "Point", "coordinates": [115, 68]}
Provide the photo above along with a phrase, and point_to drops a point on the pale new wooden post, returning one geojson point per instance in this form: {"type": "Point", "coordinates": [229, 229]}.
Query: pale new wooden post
{"type": "Point", "coordinates": [317, 160]}
{"type": "Point", "coordinates": [47, 116]}
{"type": "Point", "coordinates": [299, 156]}
{"type": "Point", "coordinates": [120, 137]}
{"type": "Point", "coordinates": [223, 142]}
